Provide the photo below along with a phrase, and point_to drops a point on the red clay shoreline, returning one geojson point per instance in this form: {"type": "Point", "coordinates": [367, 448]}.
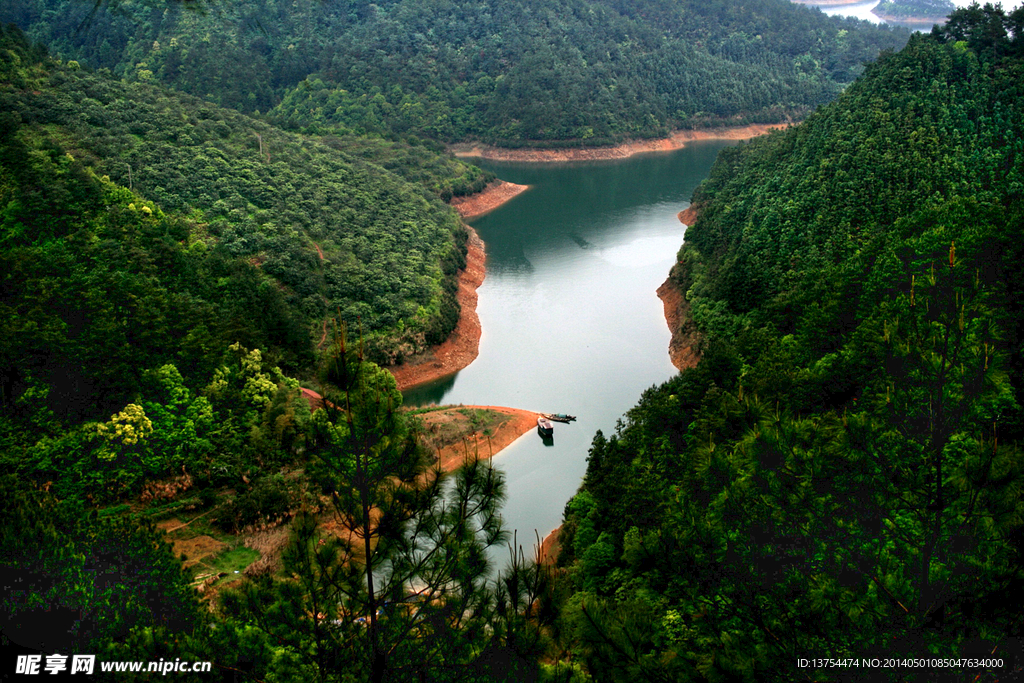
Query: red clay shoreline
{"type": "Point", "coordinates": [490, 198]}
{"type": "Point", "coordinates": [485, 447]}
{"type": "Point", "coordinates": [682, 348]}
{"type": "Point", "coordinates": [463, 345]}
{"type": "Point", "coordinates": [676, 140]}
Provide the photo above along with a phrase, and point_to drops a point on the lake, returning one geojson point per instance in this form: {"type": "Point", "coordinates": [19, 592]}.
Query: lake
{"type": "Point", "coordinates": [571, 321]}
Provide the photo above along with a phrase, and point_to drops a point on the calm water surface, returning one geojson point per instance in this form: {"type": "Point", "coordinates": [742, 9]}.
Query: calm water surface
{"type": "Point", "coordinates": [862, 10]}
{"type": "Point", "coordinates": [571, 321]}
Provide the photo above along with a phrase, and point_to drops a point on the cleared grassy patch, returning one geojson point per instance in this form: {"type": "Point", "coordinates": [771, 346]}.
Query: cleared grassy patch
{"type": "Point", "coordinates": [231, 562]}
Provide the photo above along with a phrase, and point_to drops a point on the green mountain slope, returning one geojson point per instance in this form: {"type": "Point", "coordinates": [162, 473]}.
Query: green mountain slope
{"type": "Point", "coordinates": [512, 73]}
{"type": "Point", "coordinates": [841, 474]}
{"type": "Point", "coordinates": [335, 234]}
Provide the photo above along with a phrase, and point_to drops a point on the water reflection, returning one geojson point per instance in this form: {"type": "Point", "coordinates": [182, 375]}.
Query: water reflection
{"type": "Point", "coordinates": [430, 393]}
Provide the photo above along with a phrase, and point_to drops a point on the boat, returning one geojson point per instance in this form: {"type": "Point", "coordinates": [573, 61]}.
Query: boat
{"type": "Point", "coordinates": [558, 417]}
{"type": "Point", "coordinates": [544, 426]}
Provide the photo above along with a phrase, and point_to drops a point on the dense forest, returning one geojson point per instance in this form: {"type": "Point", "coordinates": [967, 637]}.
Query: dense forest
{"type": "Point", "coordinates": [326, 232]}
{"type": "Point", "coordinates": [840, 475]}
{"type": "Point", "coordinates": [510, 73]}
{"type": "Point", "coordinates": [162, 260]}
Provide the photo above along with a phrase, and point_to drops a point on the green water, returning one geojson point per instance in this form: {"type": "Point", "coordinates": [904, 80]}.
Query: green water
{"type": "Point", "coordinates": [571, 321]}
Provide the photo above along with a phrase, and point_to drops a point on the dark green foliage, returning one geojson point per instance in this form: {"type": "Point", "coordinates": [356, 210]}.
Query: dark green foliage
{"type": "Point", "coordinates": [418, 161]}
{"type": "Point", "coordinates": [115, 315]}
{"type": "Point", "coordinates": [247, 419]}
{"type": "Point", "coordinates": [255, 196]}
{"type": "Point", "coordinates": [138, 352]}
{"type": "Point", "coordinates": [987, 30]}
{"type": "Point", "coordinates": [267, 499]}
{"type": "Point", "coordinates": [514, 73]}
{"type": "Point", "coordinates": [843, 195]}
{"type": "Point", "coordinates": [73, 582]}
{"type": "Point", "coordinates": [95, 283]}
{"type": "Point", "coordinates": [398, 588]}
{"type": "Point", "coordinates": [841, 473]}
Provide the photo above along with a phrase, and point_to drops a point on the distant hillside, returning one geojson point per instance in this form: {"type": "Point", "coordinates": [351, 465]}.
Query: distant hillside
{"type": "Point", "coordinates": [842, 472]}
{"type": "Point", "coordinates": [515, 72]}
{"type": "Point", "coordinates": [925, 11]}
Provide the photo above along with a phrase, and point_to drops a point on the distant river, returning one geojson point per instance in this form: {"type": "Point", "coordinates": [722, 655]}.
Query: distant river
{"type": "Point", "coordinates": [862, 10]}
{"type": "Point", "coordinates": [571, 322]}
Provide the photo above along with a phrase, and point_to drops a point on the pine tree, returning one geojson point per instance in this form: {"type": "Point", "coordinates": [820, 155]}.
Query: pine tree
{"type": "Point", "coordinates": [391, 583]}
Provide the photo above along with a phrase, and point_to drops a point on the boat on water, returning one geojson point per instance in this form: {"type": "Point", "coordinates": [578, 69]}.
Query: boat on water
{"type": "Point", "coordinates": [544, 426]}
{"type": "Point", "coordinates": [558, 417]}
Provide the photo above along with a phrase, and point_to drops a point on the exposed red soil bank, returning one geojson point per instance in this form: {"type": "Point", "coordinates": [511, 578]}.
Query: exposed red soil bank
{"type": "Point", "coordinates": [490, 198]}
{"type": "Point", "coordinates": [688, 216]}
{"type": "Point", "coordinates": [676, 140]}
{"type": "Point", "coordinates": [682, 349]}
{"type": "Point", "coordinates": [463, 345]}
{"type": "Point", "coordinates": [480, 445]}
{"type": "Point", "coordinates": [550, 547]}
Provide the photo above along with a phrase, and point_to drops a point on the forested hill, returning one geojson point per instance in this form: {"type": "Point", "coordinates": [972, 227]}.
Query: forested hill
{"type": "Point", "coordinates": [513, 72]}
{"type": "Point", "coordinates": [160, 263]}
{"type": "Point", "coordinates": [142, 226]}
{"type": "Point", "coordinates": [842, 473]}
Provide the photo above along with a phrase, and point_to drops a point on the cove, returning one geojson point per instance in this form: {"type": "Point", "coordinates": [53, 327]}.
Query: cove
{"type": "Point", "coordinates": [571, 321]}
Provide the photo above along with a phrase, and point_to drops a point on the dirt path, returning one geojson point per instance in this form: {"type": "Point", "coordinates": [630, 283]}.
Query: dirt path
{"type": "Point", "coordinates": [676, 140]}
{"type": "Point", "coordinates": [463, 345]}
{"type": "Point", "coordinates": [490, 198]}
{"type": "Point", "coordinates": [323, 337]}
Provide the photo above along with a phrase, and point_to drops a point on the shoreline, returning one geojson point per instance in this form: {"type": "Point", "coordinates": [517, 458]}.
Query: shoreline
{"type": "Point", "coordinates": [485, 447]}
{"type": "Point", "coordinates": [676, 140]}
{"type": "Point", "coordinates": [911, 21]}
{"type": "Point", "coordinates": [463, 345]}
{"type": "Point", "coordinates": [521, 422]}
{"type": "Point", "coordinates": [490, 198]}
{"type": "Point", "coordinates": [550, 547]}
{"type": "Point", "coordinates": [682, 348]}
{"type": "Point", "coordinates": [688, 216]}
{"type": "Point", "coordinates": [685, 338]}
{"type": "Point", "coordinates": [826, 3]}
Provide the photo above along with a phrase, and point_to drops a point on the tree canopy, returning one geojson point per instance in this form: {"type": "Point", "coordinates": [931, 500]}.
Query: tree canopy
{"type": "Point", "coordinates": [512, 73]}
{"type": "Point", "coordinates": [841, 472]}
